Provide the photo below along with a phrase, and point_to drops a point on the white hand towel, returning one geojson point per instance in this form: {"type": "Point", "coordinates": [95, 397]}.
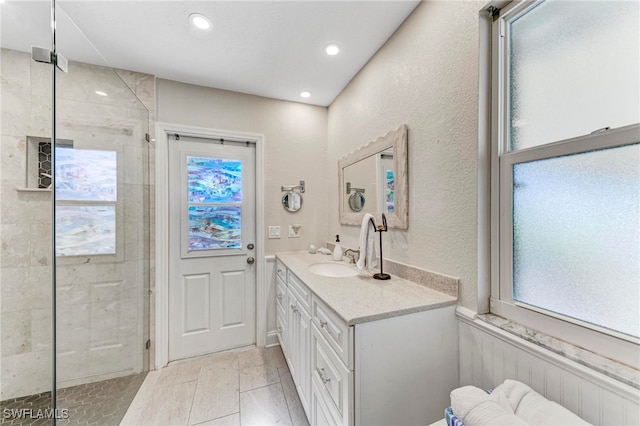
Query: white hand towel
{"type": "Point", "coordinates": [367, 244]}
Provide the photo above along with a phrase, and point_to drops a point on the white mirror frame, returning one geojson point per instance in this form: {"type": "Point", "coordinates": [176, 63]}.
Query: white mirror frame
{"type": "Point", "coordinates": [396, 139]}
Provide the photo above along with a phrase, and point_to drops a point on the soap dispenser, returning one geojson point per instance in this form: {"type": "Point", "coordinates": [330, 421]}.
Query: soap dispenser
{"type": "Point", "coordinates": [337, 251]}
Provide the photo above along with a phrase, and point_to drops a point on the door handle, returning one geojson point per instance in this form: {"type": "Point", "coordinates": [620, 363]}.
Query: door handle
{"type": "Point", "coordinates": [250, 260]}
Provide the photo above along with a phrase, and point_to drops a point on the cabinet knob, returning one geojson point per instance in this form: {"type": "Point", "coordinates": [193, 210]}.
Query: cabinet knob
{"type": "Point", "coordinates": [324, 378]}
{"type": "Point", "coordinates": [279, 296]}
{"type": "Point", "coordinates": [323, 324]}
{"type": "Point", "coordinates": [295, 310]}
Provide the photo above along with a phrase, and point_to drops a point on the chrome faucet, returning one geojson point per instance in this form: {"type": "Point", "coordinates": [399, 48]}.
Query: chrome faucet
{"type": "Point", "coordinates": [352, 256]}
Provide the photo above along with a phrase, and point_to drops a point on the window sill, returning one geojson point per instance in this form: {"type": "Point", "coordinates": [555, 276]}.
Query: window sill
{"type": "Point", "coordinates": [33, 189]}
{"type": "Point", "coordinates": [517, 333]}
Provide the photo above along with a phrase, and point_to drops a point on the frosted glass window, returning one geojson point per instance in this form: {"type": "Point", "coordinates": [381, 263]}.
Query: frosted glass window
{"type": "Point", "coordinates": [86, 196]}
{"type": "Point", "coordinates": [576, 236]}
{"type": "Point", "coordinates": [574, 68]}
{"type": "Point", "coordinates": [85, 230]}
{"type": "Point", "coordinates": [86, 175]}
{"type": "Point", "coordinates": [214, 227]}
{"type": "Point", "coordinates": [214, 180]}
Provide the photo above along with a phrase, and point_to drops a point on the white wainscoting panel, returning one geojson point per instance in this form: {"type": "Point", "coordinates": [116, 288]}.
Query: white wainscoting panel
{"type": "Point", "coordinates": [270, 297]}
{"type": "Point", "coordinates": [489, 355]}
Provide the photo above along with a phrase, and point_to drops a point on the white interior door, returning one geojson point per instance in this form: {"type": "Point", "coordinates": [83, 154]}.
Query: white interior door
{"type": "Point", "coordinates": [212, 271]}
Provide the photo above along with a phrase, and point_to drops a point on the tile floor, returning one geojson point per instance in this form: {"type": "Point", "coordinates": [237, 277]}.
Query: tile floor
{"type": "Point", "coordinates": [250, 386]}
{"type": "Point", "coordinates": [101, 403]}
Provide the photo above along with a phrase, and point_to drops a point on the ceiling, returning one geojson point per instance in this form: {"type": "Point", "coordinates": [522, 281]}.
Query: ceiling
{"type": "Point", "coordinates": [267, 48]}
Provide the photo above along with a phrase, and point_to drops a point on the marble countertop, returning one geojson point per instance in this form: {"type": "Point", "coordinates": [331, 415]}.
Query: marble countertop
{"type": "Point", "coordinates": [362, 298]}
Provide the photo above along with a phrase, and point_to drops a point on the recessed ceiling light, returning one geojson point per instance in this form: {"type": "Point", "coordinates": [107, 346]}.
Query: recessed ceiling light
{"type": "Point", "coordinates": [200, 21]}
{"type": "Point", "coordinates": [332, 49]}
{"type": "Point", "coordinates": [100, 93]}
{"type": "Point", "coordinates": [305, 94]}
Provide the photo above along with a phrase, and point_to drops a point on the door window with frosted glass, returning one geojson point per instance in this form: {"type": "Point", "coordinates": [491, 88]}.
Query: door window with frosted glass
{"type": "Point", "coordinates": [214, 203]}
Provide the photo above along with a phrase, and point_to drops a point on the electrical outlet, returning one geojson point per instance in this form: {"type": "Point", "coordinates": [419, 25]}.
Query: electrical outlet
{"type": "Point", "coordinates": [294, 231]}
{"type": "Point", "coordinates": [274, 232]}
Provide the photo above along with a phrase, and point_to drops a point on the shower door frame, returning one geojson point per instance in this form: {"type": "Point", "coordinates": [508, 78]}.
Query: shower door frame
{"type": "Point", "coordinates": [161, 353]}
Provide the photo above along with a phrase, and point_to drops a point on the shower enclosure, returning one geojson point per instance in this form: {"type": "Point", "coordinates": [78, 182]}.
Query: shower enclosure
{"type": "Point", "coordinates": [74, 223]}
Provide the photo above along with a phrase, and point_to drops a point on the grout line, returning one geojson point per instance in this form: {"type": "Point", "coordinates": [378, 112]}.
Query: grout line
{"type": "Point", "coordinates": [239, 399]}
{"type": "Point", "coordinates": [284, 394]}
{"type": "Point", "coordinates": [260, 387]}
{"type": "Point", "coordinates": [221, 417]}
{"type": "Point", "coordinates": [193, 397]}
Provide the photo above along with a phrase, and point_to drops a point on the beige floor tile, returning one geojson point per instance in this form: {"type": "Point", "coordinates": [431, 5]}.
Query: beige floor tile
{"type": "Point", "coordinates": [180, 373]}
{"type": "Point", "coordinates": [253, 357]}
{"type": "Point", "coordinates": [232, 388]}
{"type": "Point", "coordinates": [146, 391]}
{"type": "Point", "coordinates": [232, 420]}
{"type": "Point", "coordinates": [257, 376]}
{"type": "Point", "coordinates": [298, 416]}
{"type": "Point", "coordinates": [264, 406]}
{"type": "Point", "coordinates": [133, 417]}
{"type": "Point", "coordinates": [276, 357]}
{"type": "Point", "coordinates": [217, 394]}
{"type": "Point", "coordinates": [219, 359]}
{"type": "Point", "coordinates": [170, 405]}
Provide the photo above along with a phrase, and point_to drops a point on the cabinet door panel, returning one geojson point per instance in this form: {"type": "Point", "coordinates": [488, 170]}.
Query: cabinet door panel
{"type": "Point", "coordinates": [319, 412]}
{"type": "Point", "coordinates": [332, 378]}
{"type": "Point", "coordinates": [304, 358]}
{"type": "Point", "coordinates": [292, 336]}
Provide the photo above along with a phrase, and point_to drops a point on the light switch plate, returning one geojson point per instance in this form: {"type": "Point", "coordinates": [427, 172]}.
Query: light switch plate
{"type": "Point", "coordinates": [274, 232]}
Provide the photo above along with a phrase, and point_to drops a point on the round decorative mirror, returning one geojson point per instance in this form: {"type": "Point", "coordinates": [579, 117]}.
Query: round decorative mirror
{"type": "Point", "coordinates": [356, 201]}
{"type": "Point", "coordinates": [292, 201]}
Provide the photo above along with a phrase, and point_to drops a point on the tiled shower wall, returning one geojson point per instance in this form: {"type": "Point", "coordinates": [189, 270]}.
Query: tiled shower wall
{"type": "Point", "coordinates": [102, 300]}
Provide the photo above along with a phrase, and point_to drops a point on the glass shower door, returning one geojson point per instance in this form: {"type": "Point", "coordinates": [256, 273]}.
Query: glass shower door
{"type": "Point", "coordinates": [101, 231]}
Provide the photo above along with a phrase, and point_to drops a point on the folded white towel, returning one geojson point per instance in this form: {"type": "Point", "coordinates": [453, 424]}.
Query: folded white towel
{"type": "Point", "coordinates": [367, 244]}
{"type": "Point", "coordinates": [475, 407]}
{"type": "Point", "coordinates": [511, 403]}
{"type": "Point", "coordinates": [535, 409]}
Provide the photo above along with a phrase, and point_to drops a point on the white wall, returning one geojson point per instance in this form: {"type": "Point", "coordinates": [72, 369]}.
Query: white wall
{"type": "Point", "coordinates": [426, 76]}
{"type": "Point", "coordinates": [295, 149]}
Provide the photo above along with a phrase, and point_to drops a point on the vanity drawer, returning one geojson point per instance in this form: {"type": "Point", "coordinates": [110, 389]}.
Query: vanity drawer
{"type": "Point", "coordinates": [281, 271]}
{"type": "Point", "coordinates": [301, 291]}
{"type": "Point", "coordinates": [281, 294]}
{"type": "Point", "coordinates": [332, 378]}
{"type": "Point", "coordinates": [336, 332]}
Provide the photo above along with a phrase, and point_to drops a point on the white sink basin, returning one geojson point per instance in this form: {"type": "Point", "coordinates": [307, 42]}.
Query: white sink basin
{"type": "Point", "coordinates": [328, 269]}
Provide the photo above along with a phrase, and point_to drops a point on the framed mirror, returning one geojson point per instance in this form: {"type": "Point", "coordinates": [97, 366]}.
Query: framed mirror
{"type": "Point", "coordinates": [374, 179]}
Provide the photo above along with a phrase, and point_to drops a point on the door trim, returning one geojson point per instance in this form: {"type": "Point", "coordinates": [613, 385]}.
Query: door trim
{"type": "Point", "coordinates": [162, 232]}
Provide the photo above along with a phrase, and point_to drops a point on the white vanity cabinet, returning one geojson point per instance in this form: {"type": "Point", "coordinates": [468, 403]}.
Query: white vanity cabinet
{"type": "Point", "coordinates": [382, 368]}
{"type": "Point", "coordinates": [294, 331]}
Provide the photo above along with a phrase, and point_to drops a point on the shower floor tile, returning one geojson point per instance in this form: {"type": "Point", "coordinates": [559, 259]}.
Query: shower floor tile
{"type": "Point", "coordinates": [101, 403]}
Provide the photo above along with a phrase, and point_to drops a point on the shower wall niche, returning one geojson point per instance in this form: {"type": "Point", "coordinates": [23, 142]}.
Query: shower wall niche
{"type": "Point", "coordinates": [102, 224]}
